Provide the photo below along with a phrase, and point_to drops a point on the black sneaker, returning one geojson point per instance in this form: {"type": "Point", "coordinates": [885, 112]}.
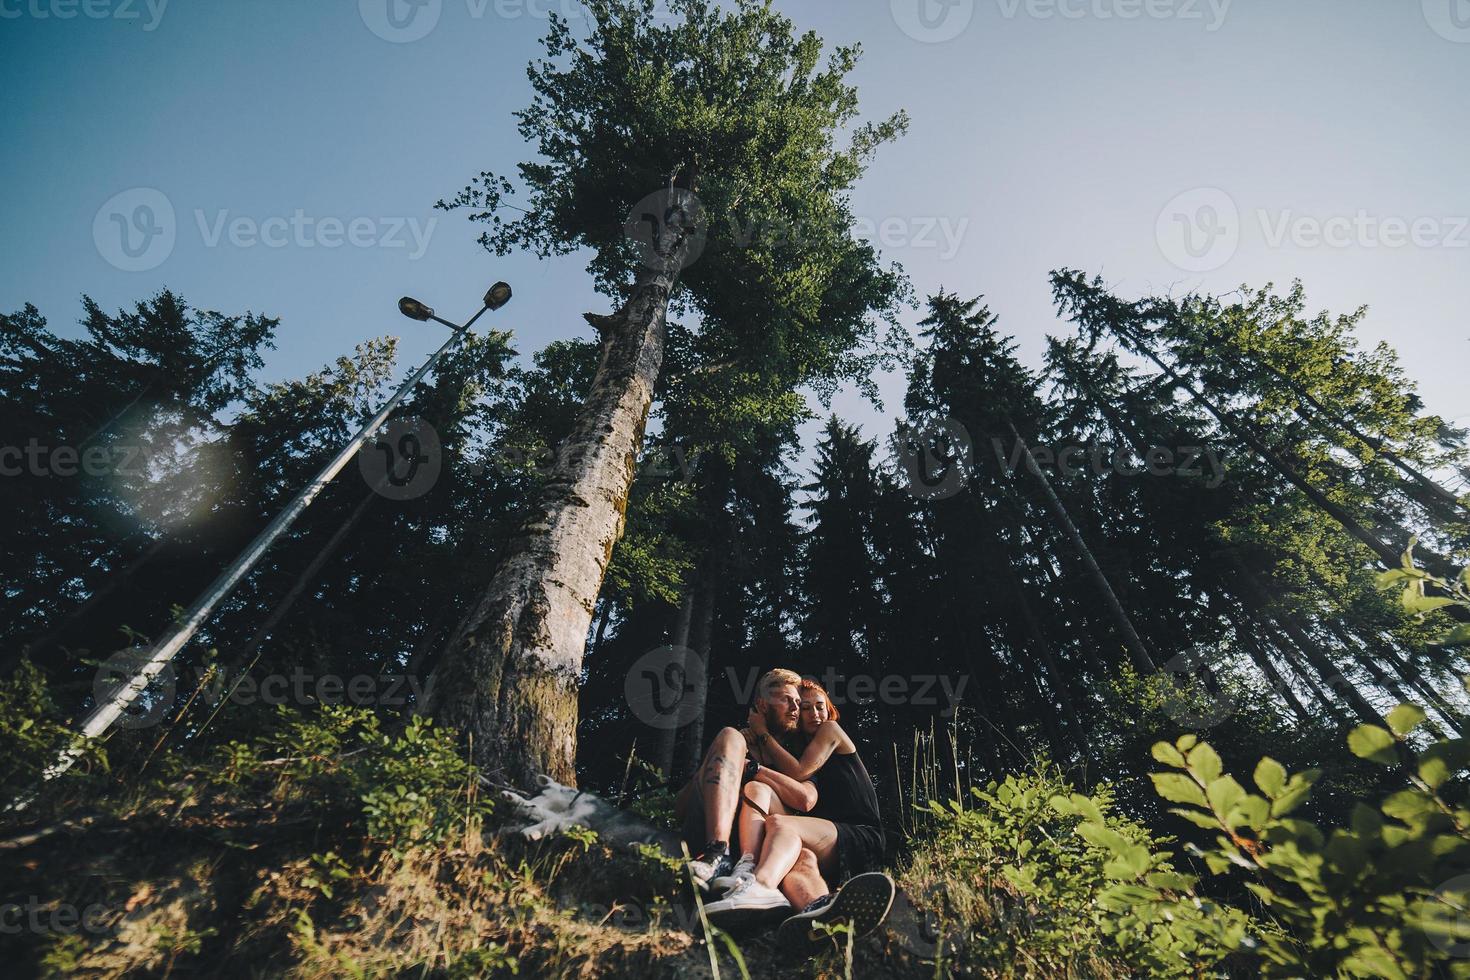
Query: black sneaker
{"type": "Point", "coordinates": [713, 862]}
{"type": "Point", "coordinates": [863, 902]}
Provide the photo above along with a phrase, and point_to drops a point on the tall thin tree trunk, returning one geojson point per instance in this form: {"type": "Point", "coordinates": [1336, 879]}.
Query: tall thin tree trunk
{"type": "Point", "coordinates": [1415, 679]}
{"type": "Point", "coordinates": [1263, 662]}
{"type": "Point", "coordinates": [664, 757]}
{"type": "Point", "coordinates": [1131, 640]}
{"type": "Point", "coordinates": [307, 576]}
{"type": "Point", "coordinates": [1289, 653]}
{"type": "Point", "coordinates": [704, 625]}
{"type": "Point", "coordinates": [1326, 670]}
{"type": "Point", "coordinates": [508, 678]}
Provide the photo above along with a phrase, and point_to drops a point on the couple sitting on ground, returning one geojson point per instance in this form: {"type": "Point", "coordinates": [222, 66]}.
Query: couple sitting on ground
{"type": "Point", "coordinates": [779, 809]}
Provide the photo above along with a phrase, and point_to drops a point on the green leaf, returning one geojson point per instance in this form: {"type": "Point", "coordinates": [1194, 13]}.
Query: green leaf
{"type": "Point", "coordinates": [1370, 961]}
{"type": "Point", "coordinates": [1204, 762]}
{"type": "Point", "coordinates": [1434, 771]}
{"type": "Point", "coordinates": [1372, 743]}
{"type": "Point", "coordinates": [1412, 806]}
{"type": "Point", "coordinates": [1270, 777]}
{"type": "Point", "coordinates": [1298, 788]}
{"type": "Point", "coordinates": [1185, 742]}
{"type": "Point", "coordinates": [1131, 862]}
{"type": "Point", "coordinates": [1104, 837]}
{"type": "Point", "coordinates": [1224, 793]}
{"type": "Point", "coordinates": [1415, 601]}
{"type": "Point", "coordinates": [1251, 811]}
{"type": "Point", "coordinates": [1196, 817]}
{"type": "Point", "coordinates": [1404, 718]}
{"type": "Point", "coordinates": [1347, 854]}
{"type": "Point", "coordinates": [1171, 880]}
{"type": "Point", "coordinates": [1442, 760]}
{"type": "Point", "coordinates": [1087, 808]}
{"type": "Point", "coordinates": [1178, 788]}
{"type": "Point", "coordinates": [1392, 577]}
{"type": "Point", "coordinates": [1168, 755]}
{"type": "Point", "coordinates": [1366, 821]}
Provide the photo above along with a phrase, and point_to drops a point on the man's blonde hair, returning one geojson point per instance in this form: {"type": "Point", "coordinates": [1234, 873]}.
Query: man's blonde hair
{"type": "Point", "coordinates": [772, 679]}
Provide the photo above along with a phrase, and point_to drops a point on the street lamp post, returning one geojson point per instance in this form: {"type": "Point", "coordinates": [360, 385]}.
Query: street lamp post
{"type": "Point", "coordinates": [107, 712]}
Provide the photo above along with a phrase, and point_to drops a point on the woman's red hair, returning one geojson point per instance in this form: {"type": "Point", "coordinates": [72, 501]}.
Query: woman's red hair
{"type": "Point", "coordinates": [807, 684]}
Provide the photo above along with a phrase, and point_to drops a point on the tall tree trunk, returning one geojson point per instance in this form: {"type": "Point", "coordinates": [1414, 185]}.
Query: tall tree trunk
{"type": "Point", "coordinates": [1415, 678]}
{"type": "Point", "coordinates": [1288, 653]}
{"type": "Point", "coordinates": [1263, 662]}
{"type": "Point", "coordinates": [508, 678]}
{"type": "Point", "coordinates": [664, 754]}
{"type": "Point", "coordinates": [1131, 640]}
{"type": "Point", "coordinates": [1326, 670]}
{"type": "Point", "coordinates": [704, 624]}
{"type": "Point", "coordinates": [307, 576]}
{"type": "Point", "coordinates": [1005, 566]}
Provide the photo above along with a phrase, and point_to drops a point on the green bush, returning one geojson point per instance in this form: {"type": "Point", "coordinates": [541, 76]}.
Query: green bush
{"type": "Point", "coordinates": [1038, 880]}
{"type": "Point", "coordinates": [34, 733]}
{"type": "Point", "coordinates": [1382, 897]}
{"type": "Point", "coordinates": [408, 789]}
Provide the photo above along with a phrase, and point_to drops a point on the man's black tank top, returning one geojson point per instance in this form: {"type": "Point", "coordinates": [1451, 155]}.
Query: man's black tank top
{"type": "Point", "coordinates": [845, 792]}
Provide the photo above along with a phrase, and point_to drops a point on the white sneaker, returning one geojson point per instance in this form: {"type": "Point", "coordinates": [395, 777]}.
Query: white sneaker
{"type": "Point", "coordinates": [744, 869]}
{"type": "Point", "coordinates": [713, 863]}
{"type": "Point", "coordinates": [747, 902]}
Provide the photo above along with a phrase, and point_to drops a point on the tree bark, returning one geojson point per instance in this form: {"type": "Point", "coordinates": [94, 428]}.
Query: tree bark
{"type": "Point", "coordinates": [508, 677]}
{"type": "Point", "coordinates": [1263, 661]}
{"type": "Point", "coordinates": [704, 625]}
{"type": "Point", "coordinates": [664, 757]}
{"type": "Point", "coordinates": [1131, 640]}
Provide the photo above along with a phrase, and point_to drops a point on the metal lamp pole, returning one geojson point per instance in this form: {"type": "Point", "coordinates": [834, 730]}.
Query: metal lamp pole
{"type": "Point", "coordinates": [162, 652]}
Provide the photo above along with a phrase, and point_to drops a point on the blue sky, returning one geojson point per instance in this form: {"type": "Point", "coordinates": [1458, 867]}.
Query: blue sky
{"type": "Point", "coordinates": [1167, 144]}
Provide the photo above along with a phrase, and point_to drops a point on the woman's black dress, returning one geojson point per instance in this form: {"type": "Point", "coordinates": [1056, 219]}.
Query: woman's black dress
{"type": "Point", "coordinates": [845, 796]}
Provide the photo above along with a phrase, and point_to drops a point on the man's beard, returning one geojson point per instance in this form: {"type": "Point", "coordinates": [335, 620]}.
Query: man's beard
{"type": "Point", "coordinates": [778, 723]}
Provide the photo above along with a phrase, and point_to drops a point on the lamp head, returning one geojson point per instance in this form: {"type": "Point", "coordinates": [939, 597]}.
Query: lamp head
{"type": "Point", "coordinates": [498, 296]}
{"type": "Point", "coordinates": [413, 309]}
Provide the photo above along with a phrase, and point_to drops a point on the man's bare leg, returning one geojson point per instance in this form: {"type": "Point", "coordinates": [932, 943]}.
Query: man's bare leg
{"type": "Point", "coordinates": [803, 884]}
{"type": "Point", "coordinates": [718, 783]}
{"type": "Point", "coordinates": [786, 837]}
